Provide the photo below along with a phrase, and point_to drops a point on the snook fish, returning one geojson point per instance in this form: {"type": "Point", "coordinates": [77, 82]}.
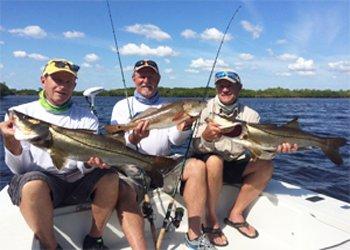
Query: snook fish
{"type": "Point", "coordinates": [164, 117]}
{"type": "Point", "coordinates": [75, 144]}
{"type": "Point", "coordinates": [262, 140]}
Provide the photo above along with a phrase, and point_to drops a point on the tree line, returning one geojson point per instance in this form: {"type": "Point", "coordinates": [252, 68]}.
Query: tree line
{"type": "Point", "coordinates": [202, 92]}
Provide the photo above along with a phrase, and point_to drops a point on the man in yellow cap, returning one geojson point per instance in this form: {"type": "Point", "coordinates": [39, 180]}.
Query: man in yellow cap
{"type": "Point", "coordinates": [38, 186]}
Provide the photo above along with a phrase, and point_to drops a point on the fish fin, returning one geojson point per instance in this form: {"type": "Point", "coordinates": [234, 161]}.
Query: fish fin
{"type": "Point", "coordinates": [157, 179]}
{"type": "Point", "coordinates": [256, 153]}
{"type": "Point", "coordinates": [59, 158]}
{"type": "Point", "coordinates": [144, 113]}
{"type": "Point", "coordinates": [162, 162]}
{"type": "Point", "coordinates": [179, 116]}
{"type": "Point", "coordinates": [292, 124]}
{"type": "Point", "coordinates": [332, 149]}
{"type": "Point", "coordinates": [113, 129]}
{"type": "Point", "coordinates": [118, 137]}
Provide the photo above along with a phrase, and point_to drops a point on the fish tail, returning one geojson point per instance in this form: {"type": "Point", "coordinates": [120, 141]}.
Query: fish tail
{"type": "Point", "coordinates": [161, 162]}
{"type": "Point", "coordinates": [113, 129]}
{"type": "Point", "coordinates": [331, 149]}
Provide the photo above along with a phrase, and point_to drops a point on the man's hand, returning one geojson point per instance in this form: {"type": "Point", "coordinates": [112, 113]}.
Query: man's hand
{"type": "Point", "coordinates": [7, 131]}
{"type": "Point", "coordinates": [211, 132]}
{"type": "Point", "coordinates": [141, 131]}
{"type": "Point", "coordinates": [287, 148]}
{"type": "Point", "coordinates": [187, 124]}
{"type": "Point", "coordinates": [97, 162]}
{"type": "Point", "coordinates": [7, 128]}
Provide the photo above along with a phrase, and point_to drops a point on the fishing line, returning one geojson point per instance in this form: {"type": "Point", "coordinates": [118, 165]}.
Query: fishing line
{"type": "Point", "coordinates": [170, 206]}
{"type": "Point", "coordinates": [119, 59]}
{"type": "Point", "coordinates": [207, 88]}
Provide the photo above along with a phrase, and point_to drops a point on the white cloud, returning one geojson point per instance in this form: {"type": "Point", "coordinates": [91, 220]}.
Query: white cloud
{"type": "Point", "coordinates": [1, 65]}
{"type": "Point", "coordinates": [214, 34]}
{"type": "Point", "coordinates": [254, 30]}
{"type": "Point", "coordinates": [19, 53]}
{"type": "Point", "coordinates": [2, 42]}
{"type": "Point", "coordinates": [287, 57]}
{"type": "Point", "coordinates": [270, 51]}
{"type": "Point", "coordinates": [32, 31]}
{"type": "Point", "coordinates": [246, 56]}
{"type": "Point", "coordinates": [38, 57]}
{"type": "Point", "coordinates": [303, 67]}
{"type": "Point", "coordinates": [86, 65]}
{"type": "Point", "coordinates": [188, 33]}
{"type": "Point", "coordinates": [90, 58]}
{"type": "Point", "coordinates": [207, 64]}
{"type": "Point", "coordinates": [166, 60]}
{"type": "Point", "coordinates": [35, 56]}
{"type": "Point", "coordinates": [73, 34]}
{"type": "Point", "coordinates": [144, 50]}
{"type": "Point", "coordinates": [148, 30]}
{"type": "Point", "coordinates": [281, 41]}
{"type": "Point", "coordinates": [340, 66]}
{"type": "Point", "coordinates": [194, 71]}
{"type": "Point", "coordinates": [283, 74]}
{"type": "Point", "coordinates": [168, 71]}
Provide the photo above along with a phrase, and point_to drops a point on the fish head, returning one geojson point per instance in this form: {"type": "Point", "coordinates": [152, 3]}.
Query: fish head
{"type": "Point", "coordinates": [28, 128]}
{"type": "Point", "coordinates": [193, 108]}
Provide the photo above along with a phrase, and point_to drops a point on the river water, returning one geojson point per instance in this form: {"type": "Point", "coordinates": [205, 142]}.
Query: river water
{"type": "Point", "coordinates": [308, 169]}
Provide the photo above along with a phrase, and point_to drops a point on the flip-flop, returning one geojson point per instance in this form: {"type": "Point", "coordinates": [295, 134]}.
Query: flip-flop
{"type": "Point", "coordinates": [239, 225]}
{"type": "Point", "coordinates": [216, 232]}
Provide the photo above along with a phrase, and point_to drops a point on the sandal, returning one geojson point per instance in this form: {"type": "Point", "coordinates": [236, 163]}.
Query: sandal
{"type": "Point", "coordinates": [216, 232]}
{"type": "Point", "coordinates": [239, 225]}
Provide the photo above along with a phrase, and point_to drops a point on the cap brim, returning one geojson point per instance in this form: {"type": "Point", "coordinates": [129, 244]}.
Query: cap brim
{"type": "Point", "coordinates": [227, 79]}
{"type": "Point", "coordinates": [61, 70]}
{"type": "Point", "coordinates": [146, 66]}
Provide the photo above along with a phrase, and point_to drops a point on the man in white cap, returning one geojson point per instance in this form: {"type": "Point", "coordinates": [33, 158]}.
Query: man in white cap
{"type": "Point", "coordinates": [38, 186]}
{"type": "Point", "coordinates": [146, 78]}
{"type": "Point", "coordinates": [229, 162]}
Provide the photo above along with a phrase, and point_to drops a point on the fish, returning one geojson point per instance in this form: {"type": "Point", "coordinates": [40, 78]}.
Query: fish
{"type": "Point", "coordinates": [80, 145]}
{"type": "Point", "coordinates": [167, 116]}
{"type": "Point", "coordinates": [262, 140]}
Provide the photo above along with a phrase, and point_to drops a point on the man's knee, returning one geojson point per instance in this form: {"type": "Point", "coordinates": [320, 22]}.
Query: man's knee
{"type": "Point", "coordinates": [195, 169]}
{"type": "Point", "coordinates": [266, 170]}
{"type": "Point", "coordinates": [35, 188]}
{"type": "Point", "coordinates": [109, 182]}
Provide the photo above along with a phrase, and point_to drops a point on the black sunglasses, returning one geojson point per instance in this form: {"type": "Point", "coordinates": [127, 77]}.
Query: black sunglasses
{"type": "Point", "coordinates": [146, 62]}
{"type": "Point", "coordinates": [64, 64]}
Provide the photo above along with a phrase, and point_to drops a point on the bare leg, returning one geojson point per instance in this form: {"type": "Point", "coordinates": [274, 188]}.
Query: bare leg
{"type": "Point", "coordinates": [106, 195]}
{"type": "Point", "coordinates": [256, 176]}
{"type": "Point", "coordinates": [130, 217]}
{"type": "Point", "coordinates": [214, 167]}
{"type": "Point", "coordinates": [37, 209]}
{"type": "Point", "coordinates": [194, 195]}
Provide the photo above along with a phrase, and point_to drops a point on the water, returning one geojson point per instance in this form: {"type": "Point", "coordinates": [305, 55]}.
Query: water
{"type": "Point", "coordinates": [308, 169]}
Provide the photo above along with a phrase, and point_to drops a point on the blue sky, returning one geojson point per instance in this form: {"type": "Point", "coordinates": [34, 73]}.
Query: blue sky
{"type": "Point", "coordinates": [289, 44]}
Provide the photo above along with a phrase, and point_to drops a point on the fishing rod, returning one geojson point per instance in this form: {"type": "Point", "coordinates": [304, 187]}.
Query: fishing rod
{"type": "Point", "coordinates": [147, 206]}
{"type": "Point", "coordinates": [167, 221]}
{"type": "Point", "coordinates": [119, 59]}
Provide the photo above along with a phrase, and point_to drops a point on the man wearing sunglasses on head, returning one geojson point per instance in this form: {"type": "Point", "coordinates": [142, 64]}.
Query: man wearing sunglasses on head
{"type": "Point", "coordinates": [146, 78]}
{"type": "Point", "coordinates": [38, 186]}
{"type": "Point", "coordinates": [230, 162]}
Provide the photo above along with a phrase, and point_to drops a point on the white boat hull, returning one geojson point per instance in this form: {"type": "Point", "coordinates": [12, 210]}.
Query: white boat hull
{"type": "Point", "coordinates": [283, 215]}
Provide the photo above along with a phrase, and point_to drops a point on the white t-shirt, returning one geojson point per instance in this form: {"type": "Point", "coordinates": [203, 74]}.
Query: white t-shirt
{"type": "Point", "coordinates": [34, 158]}
{"type": "Point", "coordinates": [159, 140]}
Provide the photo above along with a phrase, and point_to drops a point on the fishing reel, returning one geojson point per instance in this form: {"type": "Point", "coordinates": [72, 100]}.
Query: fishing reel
{"type": "Point", "coordinates": [175, 220]}
{"type": "Point", "coordinates": [179, 213]}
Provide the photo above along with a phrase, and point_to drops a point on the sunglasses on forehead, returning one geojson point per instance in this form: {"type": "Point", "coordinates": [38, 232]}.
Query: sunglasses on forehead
{"type": "Point", "coordinates": [229, 74]}
{"type": "Point", "coordinates": [146, 62]}
{"type": "Point", "coordinates": [65, 64]}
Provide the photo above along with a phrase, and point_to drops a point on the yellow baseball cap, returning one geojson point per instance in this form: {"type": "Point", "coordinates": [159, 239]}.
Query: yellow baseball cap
{"type": "Point", "coordinates": [56, 65]}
